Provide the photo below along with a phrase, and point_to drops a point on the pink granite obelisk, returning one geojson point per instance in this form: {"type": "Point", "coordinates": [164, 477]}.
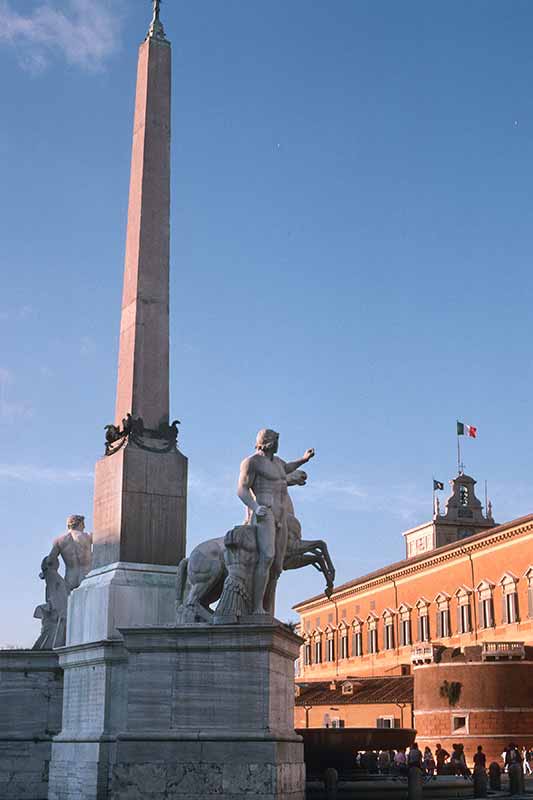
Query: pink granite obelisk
{"type": "Point", "coordinates": [140, 485]}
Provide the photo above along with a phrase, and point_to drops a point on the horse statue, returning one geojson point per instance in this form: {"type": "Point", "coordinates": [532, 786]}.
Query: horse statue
{"type": "Point", "coordinates": [201, 577]}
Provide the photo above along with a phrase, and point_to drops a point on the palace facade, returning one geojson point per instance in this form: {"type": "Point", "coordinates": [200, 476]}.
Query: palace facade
{"type": "Point", "coordinates": [456, 615]}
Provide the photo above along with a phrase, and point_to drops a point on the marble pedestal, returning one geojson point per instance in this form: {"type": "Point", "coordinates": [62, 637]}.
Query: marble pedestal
{"type": "Point", "coordinates": [194, 711]}
{"type": "Point", "coordinates": [119, 595]}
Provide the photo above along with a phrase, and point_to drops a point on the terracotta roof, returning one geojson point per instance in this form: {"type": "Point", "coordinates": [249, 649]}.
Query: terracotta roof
{"type": "Point", "coordinates": [366, 691]}
{"type": "Point", "coordinates": [417, 559]}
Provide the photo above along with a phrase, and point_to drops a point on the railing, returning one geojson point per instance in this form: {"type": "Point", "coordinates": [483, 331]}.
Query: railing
{"type": "Point", "coordinates": [423, 654]}
{"type": "Point", "coordinates": [503, 651]}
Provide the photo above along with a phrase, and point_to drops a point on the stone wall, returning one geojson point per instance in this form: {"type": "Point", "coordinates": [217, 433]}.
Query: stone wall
{"type": "Point", "coordinates": [31, 692]}
{"type": "Point", "coordinates": [494, 699]}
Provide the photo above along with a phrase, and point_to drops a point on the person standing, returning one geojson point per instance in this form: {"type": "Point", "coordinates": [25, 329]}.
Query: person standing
{"type": "Point", "coordinates": [429, 762]}
{"type": "Point", "coordinates": [441, 755]}
{"type": "Point", "coordinates": [480, 759]}
{"type": "Point", "coordinates": [414, 758]}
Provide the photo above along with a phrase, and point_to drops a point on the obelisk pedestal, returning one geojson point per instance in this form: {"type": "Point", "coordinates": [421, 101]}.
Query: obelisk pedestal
{"type": "Point", "coordinates": [210, 714]}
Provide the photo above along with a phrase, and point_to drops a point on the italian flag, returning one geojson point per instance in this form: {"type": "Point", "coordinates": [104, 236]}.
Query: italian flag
{"type": "Point", "coordinates": [466, 430]}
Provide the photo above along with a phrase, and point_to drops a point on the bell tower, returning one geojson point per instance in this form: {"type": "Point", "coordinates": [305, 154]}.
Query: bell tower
{"type": "Point", "coordinates": [464, 516]}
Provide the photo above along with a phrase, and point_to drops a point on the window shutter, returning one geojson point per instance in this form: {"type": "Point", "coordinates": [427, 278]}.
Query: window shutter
{"type": "Point", "coordinates": [428, 629]}
{"type": "Point", "coordinates": [439, 625]}
{"type": "Point", "coordinates": [459, 621]}
{"type": "Point", "coordinates": [480, 618]}
{"type": "Point", "coordinates": [505, 616]}
{"type": "Point", "coordinates": [420, 637]}
{"type": "Point", "coordinates": [369, 641]}
{"type": "Point", "coordinates": [491, 612]}
{"type": "Point", "coordinates": [530, 601]}
{"type": "Point", "coordinates": [515, 607]}
{"type": "Point", "coordinates": [448, 623]}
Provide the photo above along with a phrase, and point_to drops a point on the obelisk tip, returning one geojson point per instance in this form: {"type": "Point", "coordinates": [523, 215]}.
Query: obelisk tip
{"type": "Point", "coordinates": [156, 30]}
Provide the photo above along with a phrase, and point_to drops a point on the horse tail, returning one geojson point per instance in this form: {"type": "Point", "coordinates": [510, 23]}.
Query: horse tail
{"type": "Point", "coordinates": [181, 580]}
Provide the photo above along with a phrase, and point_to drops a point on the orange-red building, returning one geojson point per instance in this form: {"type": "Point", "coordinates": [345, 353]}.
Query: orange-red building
{"type": "Point", "coordinates": [459, 612]}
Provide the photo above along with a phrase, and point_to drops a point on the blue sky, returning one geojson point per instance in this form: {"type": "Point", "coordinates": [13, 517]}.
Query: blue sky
{"type": "Point", "coordinates": [351, 260]}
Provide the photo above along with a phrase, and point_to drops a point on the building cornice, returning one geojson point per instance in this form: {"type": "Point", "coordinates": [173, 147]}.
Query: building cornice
{"type": "Point", "coordinates": [411, 566]}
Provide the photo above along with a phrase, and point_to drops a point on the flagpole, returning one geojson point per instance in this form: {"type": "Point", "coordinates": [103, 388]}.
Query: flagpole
{"type": "Point", "coordinates": [458, 455]}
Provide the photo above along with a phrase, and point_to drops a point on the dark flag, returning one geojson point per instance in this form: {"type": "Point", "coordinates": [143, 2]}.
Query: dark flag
{"type": "Point", "coordinates": [438, 486]}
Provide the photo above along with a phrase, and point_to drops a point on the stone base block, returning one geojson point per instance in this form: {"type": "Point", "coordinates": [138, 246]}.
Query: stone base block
{"type": "Point", "coordinates": [31, 687]}
{"type": "Point", "coordinates": [195, 711]}
{"type": "Point", "coordinates": [233, 770]}
{"type": "Point", "coordinates": [119, 595]}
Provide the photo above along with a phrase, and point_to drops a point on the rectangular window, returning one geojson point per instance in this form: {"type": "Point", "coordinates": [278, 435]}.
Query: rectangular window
{"type": "Point", "coordinates": [389, 636]}
{"type": "Point", "coordinates": [344, 646]}
{"type": "Point", "coordinates": [358, 644]}
{"type": "Point", "coordinates": [307, 654]}
{"type": "Point", "coordinates": [405, 632]}
{"type": "Point", "coordinates": [486, 615]}
{"type": "Point", "coordinates": [444, 622]}
{"type": "Point", "coordinates": [510, 611]}
{"type": "Point", "coordinates": [459, 723]}
{"type": "Point", "coordinates": [318, 652]}
{"type": "Point", "coordinates": [465, 625]}
{"type": "Point", "coordinates": [373, 641]}
{"type": "Point", "coordinates": [423, 628]}
{"type": "Point", "coordinates": [330, 650]}
{"type": "Point", "coordinates": [530, 601]}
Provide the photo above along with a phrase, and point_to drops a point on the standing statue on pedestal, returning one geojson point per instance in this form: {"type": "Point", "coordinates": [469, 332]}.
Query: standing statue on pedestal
{"type": "Point", "coordinates": [74, 547]}
{"type": "Point", "coordinates": [263, 490]}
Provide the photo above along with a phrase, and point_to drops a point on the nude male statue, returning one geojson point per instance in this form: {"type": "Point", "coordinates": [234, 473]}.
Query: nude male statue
{"type": "Point", "coordinates": [263, 490]}
{"type": "Point", "coordinates": [74, 547]}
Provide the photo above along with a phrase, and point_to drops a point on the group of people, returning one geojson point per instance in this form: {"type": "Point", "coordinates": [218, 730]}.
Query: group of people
{"type": "Point", "coordinates": [516, 755]}
{"type": "Point", "coordinates": [398, 762]}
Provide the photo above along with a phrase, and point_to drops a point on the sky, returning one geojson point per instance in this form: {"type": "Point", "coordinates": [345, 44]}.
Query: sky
{"type": "Point", "coordinates": [351, 261]}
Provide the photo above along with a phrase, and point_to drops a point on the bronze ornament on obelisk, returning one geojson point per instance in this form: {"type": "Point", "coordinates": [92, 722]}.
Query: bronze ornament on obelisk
{"type": "Point", "coordinates": [141, 483]}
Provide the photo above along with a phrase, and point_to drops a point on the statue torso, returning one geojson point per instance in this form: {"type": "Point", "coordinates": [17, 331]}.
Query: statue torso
{"type": "Point", "coordinates": [75, 548]}
{"type": "Point", "coordinates": [270, 483]}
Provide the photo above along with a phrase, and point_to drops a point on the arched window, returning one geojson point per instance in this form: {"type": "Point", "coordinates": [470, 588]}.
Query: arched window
{"type": "Point", "coordinates": [388, 629]}
{"type": "Point", "coordinates": [423, 627]}
{"type": "Point", "coordinates": [464, 610]}
{"type": "Point", "coordinates": [372, 622]}
{"type": "Point", "coordinates": [509, 582]}
{"type": "Point", "coordinates": [357, 637]}
{"type": "Point", "coordinates": [484, 591]}
{"type": "Point", "coordinates": [405, 625]}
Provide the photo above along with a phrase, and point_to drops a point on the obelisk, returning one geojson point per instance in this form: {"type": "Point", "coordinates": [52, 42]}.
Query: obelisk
{"type": "Point", "coordinates": [141, 483]}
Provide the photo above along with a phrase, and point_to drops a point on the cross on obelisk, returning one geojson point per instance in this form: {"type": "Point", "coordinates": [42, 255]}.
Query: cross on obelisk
{"type": "Point", "coordinates": [140, 486]}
